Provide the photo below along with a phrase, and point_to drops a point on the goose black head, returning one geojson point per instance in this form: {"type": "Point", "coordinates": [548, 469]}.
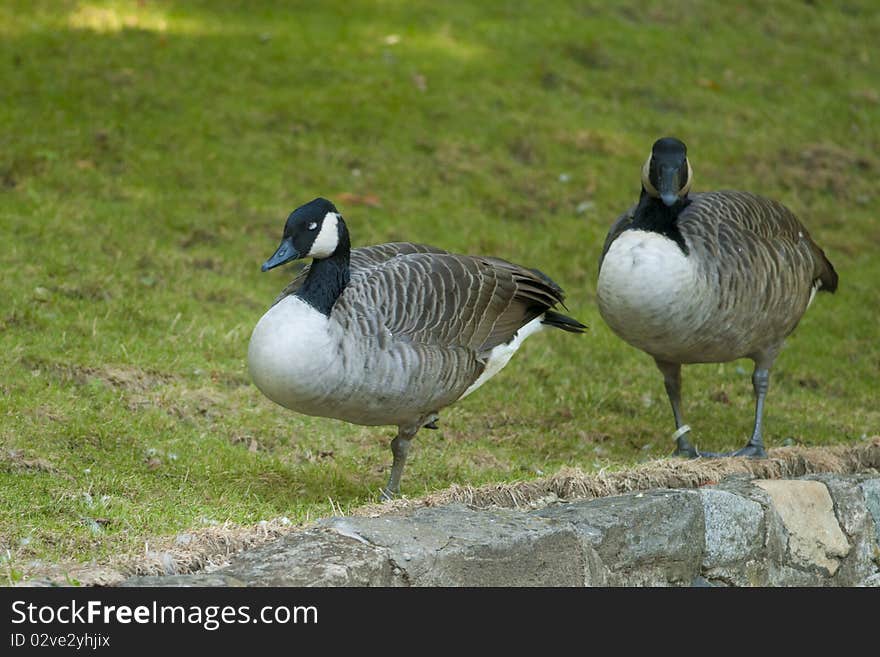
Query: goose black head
{"type": "Point", "coordinates": [314, 230]}
{"type": "Point", "coordinates": [667, 172]}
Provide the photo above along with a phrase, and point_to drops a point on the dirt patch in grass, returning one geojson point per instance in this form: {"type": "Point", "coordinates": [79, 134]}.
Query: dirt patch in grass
{"type": "Point", "coordinates": [819, 168]}
{"type": "Point", "coordinates": [210, 548]}
{"type": "Point", "coordinates": [144, 388]}
{"type": "Point", "coordinates": [125, 377]}
{"type": "Point", "coordinates": [132, 379]}
{"type": "Point", "coordinates": [17, 460]}
{"type": "Point", "coordinates": [192, 403]}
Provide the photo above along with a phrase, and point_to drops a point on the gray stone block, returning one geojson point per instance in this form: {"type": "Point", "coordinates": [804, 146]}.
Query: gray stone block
{"type": "Point", "coordinates": [733, 552]}
{"type": "Point", "coordinates": [734, 528]}
{"type": "Point", "coordinates": [786, 575]}
{"type": "Point", "coordinates": [871, 491]}
{"type": "Point", "coordinates": [457, 546]}
{"type": "Point", "coordinates": [848, 500]}
{"type": "Point", "coordinates": [852, 513]}
{"type": "Point", "coordinates": [316, 557]}
{"type": "Point", "coordinates": [653, 538]}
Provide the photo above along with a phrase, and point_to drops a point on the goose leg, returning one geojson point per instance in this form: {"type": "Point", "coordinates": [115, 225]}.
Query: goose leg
{"type": "Point", "coordinates": [399, 448]}
{"type": "Point", "coordinates": [672, 381]}
{"type": "Point", "coordinates": [755, 446]}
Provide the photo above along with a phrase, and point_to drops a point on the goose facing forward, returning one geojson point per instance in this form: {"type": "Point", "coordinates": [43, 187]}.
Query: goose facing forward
{"type": "Point", "coordinates": [393, 333]}
{"type": "Point", "coordinates": [705, 278]}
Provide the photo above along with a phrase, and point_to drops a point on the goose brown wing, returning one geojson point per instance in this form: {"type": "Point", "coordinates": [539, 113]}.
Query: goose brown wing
{"type": "Point", "coordinates": [446, 300]}
{"type": "Point", "coordinates": [763, 227]}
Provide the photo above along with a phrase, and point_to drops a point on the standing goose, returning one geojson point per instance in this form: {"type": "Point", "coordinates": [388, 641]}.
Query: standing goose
{"type": "Point", "coordinates": [393, 333]}
{"type": "Point", "coordinates": [707, 278]}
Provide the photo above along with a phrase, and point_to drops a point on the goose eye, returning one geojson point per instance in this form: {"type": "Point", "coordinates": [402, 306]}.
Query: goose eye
{"type": "Point", "coordinates": [313, 225]}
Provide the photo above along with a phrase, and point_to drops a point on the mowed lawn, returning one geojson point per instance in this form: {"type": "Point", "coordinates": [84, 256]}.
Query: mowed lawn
{"type": "Point", "coordinates": [150, 152]}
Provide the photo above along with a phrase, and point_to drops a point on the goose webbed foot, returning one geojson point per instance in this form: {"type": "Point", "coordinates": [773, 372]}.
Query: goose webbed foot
{"type": "Point", "coordinates": [685, 449]}
{"type": "Point", "coordinates": [754, 451]}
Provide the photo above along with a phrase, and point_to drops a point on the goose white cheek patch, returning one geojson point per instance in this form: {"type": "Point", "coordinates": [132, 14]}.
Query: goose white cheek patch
{"type": "Point", "coordinates": [646, 178]}
{"type": "Point", "coordinates": [328, 238]}
{"type": "Point", "coordinates": [652, 191]}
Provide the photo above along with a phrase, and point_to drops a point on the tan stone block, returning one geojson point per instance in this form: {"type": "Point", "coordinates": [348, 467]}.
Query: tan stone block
{"type": "Point", "coordinates": [807, 511]}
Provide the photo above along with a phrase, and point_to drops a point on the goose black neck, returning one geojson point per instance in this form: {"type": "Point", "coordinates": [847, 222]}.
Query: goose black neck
{"type": "Point", "coordinates": [653, 215]}
{"type": "Point", "coordinates": [327, 278]}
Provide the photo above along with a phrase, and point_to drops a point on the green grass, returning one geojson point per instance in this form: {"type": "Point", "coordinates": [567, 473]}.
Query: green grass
{"type": "Point", "coordinates": [150, 152]}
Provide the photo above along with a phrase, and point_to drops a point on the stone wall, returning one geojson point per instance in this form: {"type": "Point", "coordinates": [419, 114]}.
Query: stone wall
{"type": "Point", "coordinates": [817, 530]}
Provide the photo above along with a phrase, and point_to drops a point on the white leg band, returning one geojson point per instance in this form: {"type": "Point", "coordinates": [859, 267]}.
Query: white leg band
{"type": "Point", "coordinates": [683, 429]}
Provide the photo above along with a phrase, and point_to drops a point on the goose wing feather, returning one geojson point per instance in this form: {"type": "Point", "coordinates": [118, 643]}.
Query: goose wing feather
{"type": "Point", "coordinates": [767, 232]}
{"type": "Point", "coordinates": [445, 299]}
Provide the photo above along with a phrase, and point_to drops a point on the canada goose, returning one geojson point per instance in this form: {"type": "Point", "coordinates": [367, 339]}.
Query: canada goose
{"type": "Point", "coordinates": [390, 334]}
{"type": "Point", "coordinates": [706, 278]}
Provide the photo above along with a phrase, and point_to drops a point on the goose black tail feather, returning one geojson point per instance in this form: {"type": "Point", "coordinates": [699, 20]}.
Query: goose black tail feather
{"type": "Point", "coordinates": [553, 284]}
{"type": "Point", "coordinates": [564, 322]}
{"type": "Point", "coordinates": [829, 278]}
{"type": "Point", "coordinates": [826, 272]}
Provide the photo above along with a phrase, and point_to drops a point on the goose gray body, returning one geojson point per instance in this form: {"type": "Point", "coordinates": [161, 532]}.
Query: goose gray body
{"type": "Point", "coordinates": [413, 330]}
{"type": "Point", "coordinates": [708, 277]}
{"type": "Point", "coordinates": [751, 271]}
{"type": "Point", "coordinates": [375, 362]}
